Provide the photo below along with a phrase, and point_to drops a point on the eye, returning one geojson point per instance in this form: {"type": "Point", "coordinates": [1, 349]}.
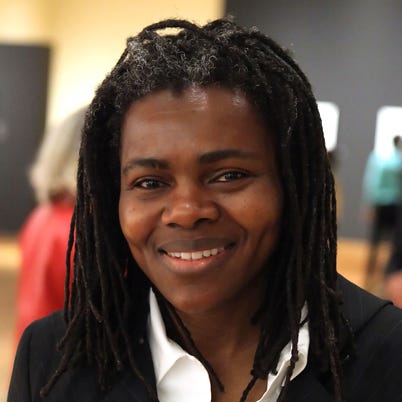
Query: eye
{"type": "Point", "coordinates": [149, 183]}
{"type": "Point", "coordinates": [230, 176]}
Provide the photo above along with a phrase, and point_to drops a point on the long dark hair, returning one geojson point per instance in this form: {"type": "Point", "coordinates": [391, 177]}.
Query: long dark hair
{"type": "Point", "coordinates": [109, 289]}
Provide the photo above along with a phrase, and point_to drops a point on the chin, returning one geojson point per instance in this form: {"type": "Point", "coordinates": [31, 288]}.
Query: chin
{"type": "Point", "coordinates": [190, 302]}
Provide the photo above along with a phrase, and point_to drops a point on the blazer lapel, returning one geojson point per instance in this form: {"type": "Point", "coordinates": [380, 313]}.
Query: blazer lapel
{"type": "Point", "coordinates": [131, 388]}
{"type": "Point", "coordinates": [306, 388]}
{"type": "Point", "coordinates": [358, 308]}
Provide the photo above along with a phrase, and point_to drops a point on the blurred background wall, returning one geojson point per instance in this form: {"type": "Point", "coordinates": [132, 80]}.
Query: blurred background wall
{"type": "Point", "coordinates": [69, 47]}
{"type": "Point", "coordinates": [351, 50]}
{"type": "Point", "coordinates": [87, 37]}
{"type": "Point", "coordinates": [24, 71]}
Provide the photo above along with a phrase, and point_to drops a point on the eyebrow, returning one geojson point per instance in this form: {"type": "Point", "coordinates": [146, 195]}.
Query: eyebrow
{"type": "Point", "coordinates": [216, 156]}
{"type": "Point", "coordinates": [208, 157]}
{"type": "Point", "coordinates": [145, 162]}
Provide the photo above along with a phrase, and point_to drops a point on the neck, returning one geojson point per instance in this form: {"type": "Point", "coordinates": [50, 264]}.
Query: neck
{"type": "Point", "coordinates": [221, 333]}
{"type": "Point", "coordinates": [227, 344]}
{"type": "Point", "coordinates": [223, 339]}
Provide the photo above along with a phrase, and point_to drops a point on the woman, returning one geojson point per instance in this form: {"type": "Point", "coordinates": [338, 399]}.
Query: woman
{"type": "Point", "coordinates": [44, 236]}
{"type": "Point", "coordinates": [205, 237]}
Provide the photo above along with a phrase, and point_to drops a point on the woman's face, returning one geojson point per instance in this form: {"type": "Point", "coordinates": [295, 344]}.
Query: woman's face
{"type": "Point", "coordinates": [200, 199]}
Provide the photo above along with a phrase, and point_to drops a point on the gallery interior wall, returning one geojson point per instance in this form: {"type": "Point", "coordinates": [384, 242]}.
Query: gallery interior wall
{"type": "Point", "coordinates": [87, 37]}
{"type": "Point", "coordinates": [84, 39]}
{"type": "Point", "coordinates": [351, 51]}
{"type": "Point", "coordinates": [23, 96]}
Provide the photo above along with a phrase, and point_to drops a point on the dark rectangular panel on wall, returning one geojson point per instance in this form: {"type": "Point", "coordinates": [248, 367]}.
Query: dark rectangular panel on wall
{"type": "Point", "coordinates": [351, 52]}
{"type": "Point", "coordinates": [23, 95]}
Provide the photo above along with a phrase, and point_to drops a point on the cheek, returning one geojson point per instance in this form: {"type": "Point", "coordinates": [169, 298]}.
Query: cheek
{"type": "Point", "coordinates": [272, 207]}
{"type": "Point", "coordinates": [261, 216]}
{"type": "Point", "coordinates": [134, 226]}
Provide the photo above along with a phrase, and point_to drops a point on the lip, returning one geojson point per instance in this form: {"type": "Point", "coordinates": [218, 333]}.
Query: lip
{"type": "Point", "coordinates": [196, 266]}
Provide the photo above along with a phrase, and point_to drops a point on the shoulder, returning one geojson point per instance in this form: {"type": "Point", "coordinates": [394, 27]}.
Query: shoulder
{"type": "Point", "coordinates": [51, 210]}
{"type": "Point", "coordinates": [36, 358]}
{"type": "Point", "coordinates": [41, 337]}
{"type": "Point", "coordinates": [366, 312]}
{"type": "Point", "coordinates": [52, 325]}
{"type": "Point", "coordinates": [36, 219]}
{"type": "Point", "coordinates": [372, 373]}
{"type": "Point", "coordinates": [36, 361]}
{"type": "Point", "coordinates": [44, 217]}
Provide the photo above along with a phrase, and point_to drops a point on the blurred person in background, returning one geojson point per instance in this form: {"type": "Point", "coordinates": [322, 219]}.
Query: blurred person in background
{"type": "Point", "coordinates": [393, 270]}
{"type": "Point", "coordinates": [44, 235]}
{"type": "Point", "coordinates": [382, 196]}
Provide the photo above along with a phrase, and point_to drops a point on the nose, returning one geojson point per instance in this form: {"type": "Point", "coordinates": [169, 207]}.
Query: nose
{"type": "Point", "coordinates": [188, 206]}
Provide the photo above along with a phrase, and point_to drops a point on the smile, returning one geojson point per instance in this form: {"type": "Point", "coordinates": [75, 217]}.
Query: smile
{"type": "Point", "coordinates": [196, 255]}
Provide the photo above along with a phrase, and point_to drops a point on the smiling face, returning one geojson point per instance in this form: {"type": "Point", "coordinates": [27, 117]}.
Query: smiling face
{"type": "Point", "coordinates": [200, 199]}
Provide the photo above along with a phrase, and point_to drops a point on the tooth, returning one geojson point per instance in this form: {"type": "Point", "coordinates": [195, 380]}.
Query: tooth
{"type": "Point", "coordinates": [185, 256]}
{"type": "Point", "coordinates": [196, 255]}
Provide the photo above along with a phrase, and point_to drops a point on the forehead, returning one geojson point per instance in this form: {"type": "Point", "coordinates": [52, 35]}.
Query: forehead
{"type": "Point", "coordinates": [204, 117]}
{"type": "Point", "coordinates": [192, 97]}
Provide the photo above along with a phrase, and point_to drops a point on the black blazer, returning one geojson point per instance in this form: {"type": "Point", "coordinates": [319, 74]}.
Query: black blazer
{"type": "Point", "coordinates": [372, 374]}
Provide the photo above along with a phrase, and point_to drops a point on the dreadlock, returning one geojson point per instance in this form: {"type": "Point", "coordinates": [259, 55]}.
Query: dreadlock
{"type": "Point", "coordinates": [108, 299]}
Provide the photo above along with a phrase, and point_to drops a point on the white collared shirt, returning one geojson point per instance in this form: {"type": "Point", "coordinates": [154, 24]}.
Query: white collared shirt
{"type": "Point", "coordinates": [180, 375]}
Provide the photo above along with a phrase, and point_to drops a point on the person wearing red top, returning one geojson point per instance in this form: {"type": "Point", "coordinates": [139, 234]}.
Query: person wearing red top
{"type": "Point", "coordinates": [43, 243]}
{"type": "Point", "coordinates": [44, 235]}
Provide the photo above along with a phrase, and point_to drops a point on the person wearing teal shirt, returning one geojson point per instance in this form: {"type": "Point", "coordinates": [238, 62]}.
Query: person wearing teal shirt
{"type": "Point", "coordinates": [382, 179]}
{"type": "Point", "coordinates": [382, 192]}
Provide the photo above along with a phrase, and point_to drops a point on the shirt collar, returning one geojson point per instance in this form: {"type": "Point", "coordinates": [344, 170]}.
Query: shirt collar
{"type": "Point", "coordinates": [166, 353]}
